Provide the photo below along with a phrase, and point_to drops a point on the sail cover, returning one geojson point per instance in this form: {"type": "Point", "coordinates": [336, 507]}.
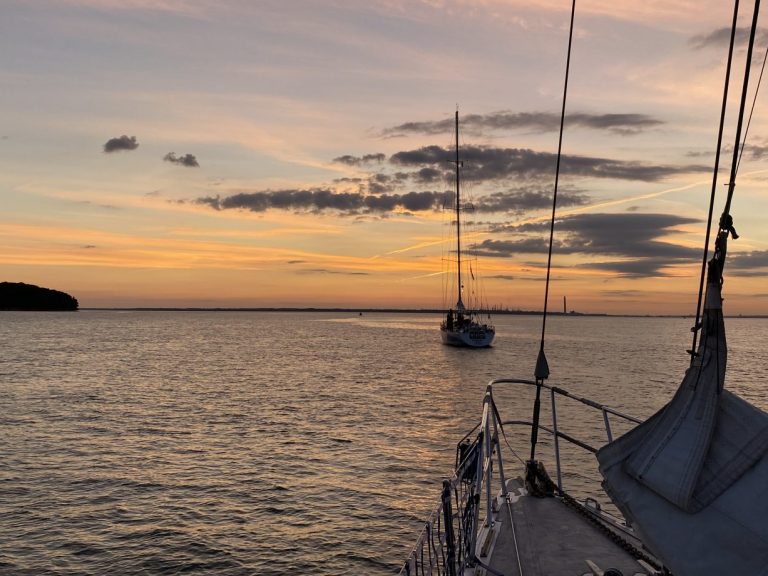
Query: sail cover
{"type": "Point", "coordinates": [693, 478]}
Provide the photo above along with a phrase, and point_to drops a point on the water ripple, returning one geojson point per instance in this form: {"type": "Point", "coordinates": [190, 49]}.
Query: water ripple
{"type": "Point", "coordinates": [263, 444]}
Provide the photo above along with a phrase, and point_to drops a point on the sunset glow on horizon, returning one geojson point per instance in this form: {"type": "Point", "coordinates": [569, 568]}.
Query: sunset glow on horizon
{"type": "Point", "coordinates": [296, 154]}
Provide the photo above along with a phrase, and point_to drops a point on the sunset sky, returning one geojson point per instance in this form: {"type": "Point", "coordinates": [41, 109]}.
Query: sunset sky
{"type": "Point", "coordinates": [237, 153]}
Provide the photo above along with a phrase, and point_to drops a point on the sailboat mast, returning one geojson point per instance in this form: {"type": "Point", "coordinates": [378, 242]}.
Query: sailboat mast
{"type": "Point", "coordinates": [459, 304]}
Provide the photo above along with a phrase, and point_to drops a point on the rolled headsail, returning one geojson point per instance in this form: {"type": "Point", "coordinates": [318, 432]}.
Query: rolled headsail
{"type": "Point", "coordinates": [693, 478]}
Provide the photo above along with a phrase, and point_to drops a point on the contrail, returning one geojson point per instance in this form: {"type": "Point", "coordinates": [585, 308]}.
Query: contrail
{"type": "Point", "coordinates": [422, 276]}
{"type": "Point", "coordinates": [426, 244]}
{"type": "Point", "coordinates": [636, 198]}
{"type": "Point", "coordinates": [565, 213]}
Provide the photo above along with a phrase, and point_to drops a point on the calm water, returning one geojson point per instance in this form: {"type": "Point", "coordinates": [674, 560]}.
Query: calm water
{"type": "Point", "coordinates": [278, 443]}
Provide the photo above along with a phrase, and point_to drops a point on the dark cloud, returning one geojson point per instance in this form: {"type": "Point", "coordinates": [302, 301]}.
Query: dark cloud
{"type": "Point", "coordinates": [507, 248]}
{"type": "Point", "coordinates": [535, 121]}
{"type": "Point", "coordinates": [430, 175]}
{"type": "Point", "coordinates": [378, 188]}
{"type": "Point", "coordinates": [320, 200]}
{"type": "Point", "coordinates": [625, 124]}
{"type": "Point", "coordinates": [627, 234]}
{"type": "Point", "coordinates": [121, 143]}
{"type": "Point", "coordinates": [630, 236]}
{"type": "Point", "coordinates": [522, 200]}
{"type": "Point", "coordinates": [504, 277]}
{"type": "Point", "coordinates": [757, 152]}
{"type": "Point", "coordinates": [89, 246]}
{"type": "Point", "coordinates": [358, 160]}
{"type": "Point", "coordinates": [484, 163]}
{"type": "Point", "coordinates": [372, 197]}
{"type": "Point", "coordinates": [296, 262]}
{"type": "Point", "coordinates": [753, 263]}
{"type": "Point", "coordinates": [638, 268]}
{"type": "Point", "coordinates": [187, 160]}
{"type": "Point", "coordinates": [378, 183]}
{"type": "Point", "coordinates": [381, 184]}
{"type": "Point", "coordinates": [722, 37]}
{"type": "Point", "coordinates": [427, 155]}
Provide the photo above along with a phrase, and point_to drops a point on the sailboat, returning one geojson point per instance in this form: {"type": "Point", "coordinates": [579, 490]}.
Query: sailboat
{"type": "Point", "coordinates": [690, 482]}
{"type": "Point", "coordinates": [462, 325]}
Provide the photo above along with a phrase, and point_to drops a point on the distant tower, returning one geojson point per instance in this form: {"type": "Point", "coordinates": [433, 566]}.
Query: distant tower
{"type": "Point", "coordinates": [565, 305]}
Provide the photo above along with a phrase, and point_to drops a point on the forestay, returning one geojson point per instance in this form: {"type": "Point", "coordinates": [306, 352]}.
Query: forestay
{"type": "Point", "coordinates": [693, 479]}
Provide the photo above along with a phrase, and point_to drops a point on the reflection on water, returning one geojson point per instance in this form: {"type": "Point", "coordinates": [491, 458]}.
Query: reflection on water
{"type": "Point", "coordinates": [270, 443]}
{"type": "Point", "coordinates": [394, 322]}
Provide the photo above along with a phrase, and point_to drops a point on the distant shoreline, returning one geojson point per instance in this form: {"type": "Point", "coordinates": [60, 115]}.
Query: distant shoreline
{"type": "Point", "coordinates": [401, 311]}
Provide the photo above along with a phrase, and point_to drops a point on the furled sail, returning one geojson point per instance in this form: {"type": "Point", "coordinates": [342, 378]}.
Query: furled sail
{"type": "Point", "coordinates": [693, 478]}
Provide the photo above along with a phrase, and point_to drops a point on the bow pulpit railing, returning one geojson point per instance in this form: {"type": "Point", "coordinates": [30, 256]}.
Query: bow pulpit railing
{"type": "Point", "coordinates": [457, 533]}
{"type": "Point", "coordinates": [448, 544]}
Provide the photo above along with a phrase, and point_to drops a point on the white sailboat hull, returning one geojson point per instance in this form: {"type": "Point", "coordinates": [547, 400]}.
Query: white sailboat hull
{"type": "Point", "coordinates": [473, 336]}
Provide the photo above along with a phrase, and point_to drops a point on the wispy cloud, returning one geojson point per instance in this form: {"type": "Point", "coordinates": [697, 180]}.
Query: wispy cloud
{"type": "Point", "coordinates": [625, 124]}
{"type": "Point", "coordinates": [183, 7]}
{"type": "Point", "coordinates": [329, 271]}
{"type": "Point", "coordinates": [722, 36]}
{"type": "Point", "coordinates": [52, 246]}
{"type": "Point", "coordinates": [622, 293]}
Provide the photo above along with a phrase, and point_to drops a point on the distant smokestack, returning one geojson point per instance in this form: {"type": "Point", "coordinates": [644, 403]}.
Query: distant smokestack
{"type": "Point", "coordinates": [565, 305]}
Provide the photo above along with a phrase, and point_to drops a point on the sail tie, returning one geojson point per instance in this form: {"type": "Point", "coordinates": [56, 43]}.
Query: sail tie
{"type": "Point", "coordinates": [726, 224]}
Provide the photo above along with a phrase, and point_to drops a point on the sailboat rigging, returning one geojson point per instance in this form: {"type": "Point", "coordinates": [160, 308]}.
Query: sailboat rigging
{"type": "Point", "coordinates": [695, 472]}
{"type": "Point", "coordinates": [462, 325]}
{"type": "Point", "coordinates": [690, 481]}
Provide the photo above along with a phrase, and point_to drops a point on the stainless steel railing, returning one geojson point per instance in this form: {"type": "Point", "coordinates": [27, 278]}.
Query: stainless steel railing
{"type": "Point", "coordinates": [448, 543]}
{"type": "Point", "coordinates": [556, 433]}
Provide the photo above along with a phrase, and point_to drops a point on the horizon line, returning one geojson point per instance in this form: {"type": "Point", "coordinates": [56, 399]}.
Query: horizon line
{"type": "Point", "coordinates": [388, 310]}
